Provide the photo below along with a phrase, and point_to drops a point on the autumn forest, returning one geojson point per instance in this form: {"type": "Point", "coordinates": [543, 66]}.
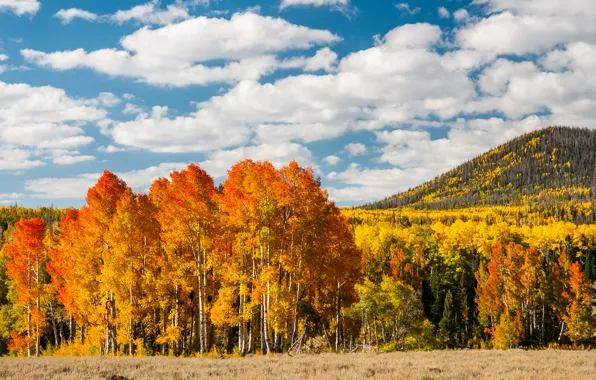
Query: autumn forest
{"type": "Point", "coordinates": [265, 263]}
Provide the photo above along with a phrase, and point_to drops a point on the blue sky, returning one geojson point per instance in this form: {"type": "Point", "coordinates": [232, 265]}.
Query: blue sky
{"type": "Point", "coordinates": [378, 96]}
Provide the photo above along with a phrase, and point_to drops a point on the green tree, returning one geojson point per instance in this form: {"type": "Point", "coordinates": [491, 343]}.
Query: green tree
{"type": "Point", "coordinates": [447, 325]}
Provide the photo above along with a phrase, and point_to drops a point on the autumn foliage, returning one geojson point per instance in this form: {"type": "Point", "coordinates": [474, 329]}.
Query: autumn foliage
{"type": "Point", "coordinates": [266, 263]}
{"type": "Point", "coordinates": [257, 264]}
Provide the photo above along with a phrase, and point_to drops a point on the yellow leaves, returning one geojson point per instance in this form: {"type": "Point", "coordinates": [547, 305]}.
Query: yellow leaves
{"type": "Point", "coordinates": [223, 312]}
{"type": "Point", "coordinates": [281, 309]}
{"type": "Point", "coordinates": [171, 335]}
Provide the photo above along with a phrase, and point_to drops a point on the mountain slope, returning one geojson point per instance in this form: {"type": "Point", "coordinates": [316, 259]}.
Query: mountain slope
{"type": "Point", "coordinates": [546, 167]}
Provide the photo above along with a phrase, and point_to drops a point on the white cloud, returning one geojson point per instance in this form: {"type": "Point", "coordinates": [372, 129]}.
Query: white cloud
{"type": "Point", "coordinates": [3, 57]}
{"type": "Point", "coordinates": [529, 26]}
{"type": "Point", "coordinates": [315, 3]}
{"type": "Point", "coordinates": [400, 79]}
{"type": "Point", "coordinates": [279, 155]}
{"type": "Point", "coordinates": [17, 159]}
{"type": "Point", "coordinates": [132, 109]}
{"type": "Point", "coordinates": [44, 136]}
{"type": "Point", "coordinates": [513, 59]}
{"type": "Point", "coordinates": [151, 13]}
{"type": "Point", "coordinates": [355, 149]}
{"type": "Point", "coordinates": [67, 15]}
{"type": "Point", "coordinates": [71, 160]}
{"type": "Point", "coordinates": [105, 99]}
{"type": "Point", "coordinates": [364, 185]}
{"type": "Point", "coordinates": [325, 59]}
{"type": "Point", "coordinates": [20, 7]}
{"type": "Point", "coordinates": [332, 160]}
{"type": "Point", "coordinates": [76, 187]}
{"type": "Point", "coordinates": [22, 103]}
{"type": "Point", "coordinates": [35, 121]}
{"type": "Point", "coordinates": [110, 149]}
{"type": "Point", "coordinates": [200, 132]}
{"type": "Point", "coordinates": [175, 54]}
{"type": "Point", "coordinates": [8, 198]}
{"type": "Point", "coordinates": [405, 7]}
{"type": "Point", "coordinates": [444, 13]}
{"type": "Point", "coordinates": [11, 196]}
{"type": "Point", "coordinates": [461, 15]}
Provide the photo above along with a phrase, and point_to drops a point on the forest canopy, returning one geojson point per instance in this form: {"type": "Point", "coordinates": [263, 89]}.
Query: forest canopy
{"type": "Point", "coordinates": [266, 263]}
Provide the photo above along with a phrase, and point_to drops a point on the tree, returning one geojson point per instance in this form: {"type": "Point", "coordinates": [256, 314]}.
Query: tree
{"type": "Point", "coordinates": [189, 219]}
{"type": "Point", "coordinates": [390, 307]}
{"type": "Point", "coordinates": [448, 325]}
{"type": "Point", "coordinates": [579, 319]}
{"type": "Point", "coordinates": [27, 255]}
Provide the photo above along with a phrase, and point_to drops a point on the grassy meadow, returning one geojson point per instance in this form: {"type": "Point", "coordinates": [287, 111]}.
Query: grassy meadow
{"type": "Point", "coordinates": [466, 364]}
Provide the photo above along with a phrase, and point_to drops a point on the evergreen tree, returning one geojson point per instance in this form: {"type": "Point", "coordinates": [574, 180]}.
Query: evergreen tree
{"type": "Point", "coordinates": [447, 325]}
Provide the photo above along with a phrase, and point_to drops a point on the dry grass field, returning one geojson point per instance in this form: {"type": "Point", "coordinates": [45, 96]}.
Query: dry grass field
{"type": "Point", "coordinates": [514, 364]}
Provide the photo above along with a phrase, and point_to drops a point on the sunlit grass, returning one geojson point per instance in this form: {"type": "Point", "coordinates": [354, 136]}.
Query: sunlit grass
{"type": "Point", "coordinates": [514, 364]}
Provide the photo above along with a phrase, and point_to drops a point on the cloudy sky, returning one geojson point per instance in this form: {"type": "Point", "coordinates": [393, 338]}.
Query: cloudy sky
{"type": "Point", "coordinates": [377, 96]}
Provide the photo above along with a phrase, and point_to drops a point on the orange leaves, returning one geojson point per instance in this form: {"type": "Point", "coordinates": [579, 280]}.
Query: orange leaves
{"type": "Point", "coordinates": [170, 266]}
{"type": "Point", "coordinates": [21, 344]}
{"type": "Point", "coordinates": [26, 252]}
{"type": "Point", "coordinates": [103, 198]}
{"type": "Point", "coordinates": [580, 321]}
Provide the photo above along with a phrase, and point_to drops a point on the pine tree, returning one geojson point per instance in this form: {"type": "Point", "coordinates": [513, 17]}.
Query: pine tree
{"type": "Point", "coordinates": [447, 325]}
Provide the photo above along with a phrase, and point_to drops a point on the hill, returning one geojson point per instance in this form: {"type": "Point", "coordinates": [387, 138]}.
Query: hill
{"type": "Point", "coordinates": [546, 168]}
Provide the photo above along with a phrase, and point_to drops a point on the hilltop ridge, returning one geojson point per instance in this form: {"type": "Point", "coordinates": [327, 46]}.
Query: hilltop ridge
{"type": "Point", "coordinates": [545, 167]}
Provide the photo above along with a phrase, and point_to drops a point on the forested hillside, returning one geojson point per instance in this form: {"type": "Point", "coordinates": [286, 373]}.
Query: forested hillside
{"type": "Point", "coordinates": [9, 215]}
{"type": "Point", "coordinates": [548, 169]}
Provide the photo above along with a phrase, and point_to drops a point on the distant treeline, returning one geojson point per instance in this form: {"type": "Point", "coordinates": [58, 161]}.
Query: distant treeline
{"type": "Point", "coordinates": [550, 169]}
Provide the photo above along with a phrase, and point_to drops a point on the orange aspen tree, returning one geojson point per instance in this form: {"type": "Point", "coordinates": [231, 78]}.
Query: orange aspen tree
{"type": "Point", "coordinates": [189, 222]}
{"type": "Point", "coordinates": [96, 218]}
{"type": "Point", "coordinates": [579, 319]}
{"type": "Point", "coordinates": [27, 254]}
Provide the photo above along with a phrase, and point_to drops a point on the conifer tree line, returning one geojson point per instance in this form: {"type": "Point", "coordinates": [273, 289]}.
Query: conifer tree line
{"type": "Point", "coordinates": [550, 169]}
{"type": "Point", "coordinates": [266, 263]}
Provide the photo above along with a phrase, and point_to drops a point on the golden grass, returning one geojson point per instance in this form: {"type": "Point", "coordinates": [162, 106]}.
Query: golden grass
{"type": "Point", "coordinates": [515, 364]}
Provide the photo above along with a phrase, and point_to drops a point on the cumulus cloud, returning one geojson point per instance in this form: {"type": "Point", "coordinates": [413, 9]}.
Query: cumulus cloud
{"type": "Point", "coordinates": [530, 26]}
{"type": "Point", "coordinates": [8, 198]}
{"type": "Point", "coordinates": [355, 149]}
{"type": "Point", "coordinates": [20, 7]}
{"type": "Point", "coordinates": [315, 3]}
{"type": "Point", "coordinates": [461, 15]}
{"type": "Point", "coordinates": [67, 15]}
{"type": "Point", "coordinates": [444, 13]}
{"type": "Point", "coordinates": [332, 160]}
{"type": "Point", "coordinates": [37, 120]}
{"type": "Point", "coordinates": [325, 59]}
{"type": "Point", "coordinates": [405, 7]}
{"type": "Point", "coordinates": [17, 159]}
{"type": "Point", "coordinates": [150, 13]}
{"type": "Point", "coordinates": [363, 185]}
{"type": "Point", "coordinates": [178, 54]}
{"type": "Point", "coordinates": [70, 160]}
{"type": "Point", "coordinates": [76, 187]}
{"type": "Point", "coordinates": [200, 132]}
{"type": "Point", "coordinates": [279, 155]}
{"type": "Point", "coordinates": [508, 68]}
{"type": "Point", "coordinates": [394, 82]}
{"type": "Point", "coordinates": [110, 149]}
